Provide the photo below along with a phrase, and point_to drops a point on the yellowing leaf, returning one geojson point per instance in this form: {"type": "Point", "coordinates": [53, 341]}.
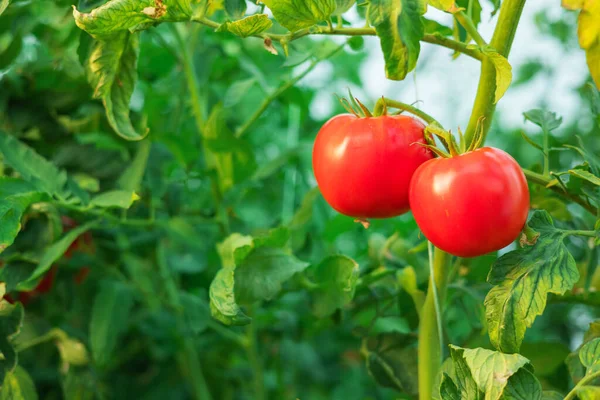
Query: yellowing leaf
{"type": "Point", "coordinates": [299, 14]}
{"type": "Point", "coordinates": [248, 26]}
{"type": "Point", "coordinates": [444, 5]}
{"type": "Point", "coordinates": [503, 72]}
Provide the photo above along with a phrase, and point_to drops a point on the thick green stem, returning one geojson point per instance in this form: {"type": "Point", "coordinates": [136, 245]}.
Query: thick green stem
{"type": "Point", "coordinates": [430, 353]}
{"type": "Point", "coordinates": [502, 40]}
{"type": "Point", "coordinates": [470, 27]}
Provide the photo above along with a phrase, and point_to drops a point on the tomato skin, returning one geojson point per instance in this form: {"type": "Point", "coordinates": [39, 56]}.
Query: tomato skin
{"type": "Point", "coordinates": [471, 204]}
{"type": "Point", "coordinates": [363, 166]}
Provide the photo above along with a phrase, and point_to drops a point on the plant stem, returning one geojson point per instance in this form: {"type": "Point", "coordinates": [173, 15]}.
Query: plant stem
{"type": "Point", "coordinates": [255, 362]}
{"type": "Point", "coordinates": [587, 379]}
{"type": "Point", "coordinates": [510, 13]}
{"type": "Point", "coordinates": [542, 180]}
{"type": "Point", "coordinates": [403, 106]}
{"type": "Point", "coordinates": [470, 27]}
{"type": "Point", "coordinates": [366, 31]}
{"type": "Point", "coordinates": [580, 233]}
{"type": "Point", "coordinates": [430, 353]}
{"type": "Point", "coordinates": [270, 98]}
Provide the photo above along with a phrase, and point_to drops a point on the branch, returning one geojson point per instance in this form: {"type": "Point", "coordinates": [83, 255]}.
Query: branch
{"type": "Point", "coordinates": [436, 39]}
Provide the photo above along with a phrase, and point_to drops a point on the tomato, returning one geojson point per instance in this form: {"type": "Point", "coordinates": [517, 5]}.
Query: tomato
{"type": "Point", "coordinates": [471, 204]}
{"type": "Point", "coordinates": [363, 166]}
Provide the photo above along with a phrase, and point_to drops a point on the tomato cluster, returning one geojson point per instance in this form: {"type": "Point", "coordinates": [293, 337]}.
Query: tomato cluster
{"type": "Point", "coordinates": [377, 167]}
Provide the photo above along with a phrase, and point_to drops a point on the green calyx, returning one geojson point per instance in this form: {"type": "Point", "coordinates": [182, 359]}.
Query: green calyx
{"type": "Point", "coordinates": [452, 148]}
{"type": "Point", "coordinates": [354, 106]}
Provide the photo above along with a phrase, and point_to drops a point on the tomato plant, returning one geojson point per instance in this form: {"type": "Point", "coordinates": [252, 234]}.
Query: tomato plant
{"type": "Point", "coordinates": [170, 181]}
{"type": "Point", "coordinates": [364, 165]}
{"type": "Point", "coordinates": [471, 204]}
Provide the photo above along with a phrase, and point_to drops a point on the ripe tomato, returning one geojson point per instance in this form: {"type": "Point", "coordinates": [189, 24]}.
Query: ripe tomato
{"type": "Point", "coordinates": [364, 165]}
{"type": "Point", "coordinates": [471, 204]}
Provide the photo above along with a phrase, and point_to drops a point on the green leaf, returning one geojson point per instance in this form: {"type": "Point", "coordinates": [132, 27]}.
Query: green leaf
{"type": "Point", "coordinates": [53, 253]}
{"type": "Point", "coordinates": [399, 27]}
{"type": "Point", "coordinates": [336, 278]}
{"type": "Point", "coordinates": [3, 5]}
{"type": "Point", "coordinates": [503, 72]}
{"type": "Point", "coordinates": [253, 269]}
{"type": "Point", "coordinates": [249, 26]}
{"type": "Point", "coordinates": [133, 175]}
{"type": "Point", "coordinates": [78, 385]}
{"type": "Point", "coordinates": [72, 351]}
{"type": "Point", "coordinates": [407, 278]}
{"type": "Point", "coordinates": [111, 70]}
{"type": "Point", "coordinates": [590, 353]}
{"type": "Point", "coordinates": [546, 120]}
{"type": "Point", "coordinates": [11, 320]}
{"type": "Point", "coordinates": [115, 199]}
{"type": "Point", "coordinates": [392, 362]}
{"type": "Point", "coordinates": [463, 381]}
{"type": "Point", "coordinates": [546, 357]}
{"type": "Point", "coordinates": [122, 15]}
{"type": "Point", "coordinates": [551, 395]}
{"type": "Point", "coordinates": [523, 385]}
{"type": "Point", "coordinates": [522, 280]}
{"type": "Point", "coordinates": [31, 166]}
{"type": "Point", "coordinates": [235, 8]}
{"type": "Point", "coordinates": [298, 14]}
{"type": "Point", "coordinates": [18, 385]}
{"type": "Point", "coordinates": [576, 369]}
{"type": "Point", "coordinates": [232, 157]}
{"type": "Point", "coordinates": [432, 27]}
{"type": "Point", "coordinates": [588, 392]}
{"type": "Point", "coordinates": [586, 175]}
{"type": "Point", "coordinates": [109, 319]}
{"type": "Point", "coordinates": [15, 197]}
{"type": "Point", "coordinates": [195, 311]}
{"type": "Point", "coordinates": [12, 51]}
{"type": "Point", "coordinates": [342, 6]}
{"type": "Point", "coordinates": [390, 325]}
{"type": "Point", "coordinates": [448, 390]}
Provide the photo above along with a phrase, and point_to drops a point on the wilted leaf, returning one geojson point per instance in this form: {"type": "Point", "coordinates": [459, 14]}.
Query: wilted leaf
{"type": "Point", "coordinates": [522, 280]}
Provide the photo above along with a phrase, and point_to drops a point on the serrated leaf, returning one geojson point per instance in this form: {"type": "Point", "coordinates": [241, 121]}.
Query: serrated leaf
{"type": "Point", "coordinates": [115, 199]}
{"type": "Point", "coordinates": [31, 166]}
{"type": "Point", "coordinates": [392, 362]}
{"type": "Point", "coordinates": [122, 15]}
{"type": "Point", "coordinates": [11, 320]}
{"type": "Point", "coordinates": [576, 369]}
{"type": "Point", "coordinates": [522, 280]}
{"type": "Point", "coordinates": [249, 26]}
{"type": "Point", "coordinates": [253, 269]}
{"type": "Point", "coordinates": [336, 278]}
{"type": "Point", "coordinates": [463, 384]}
{"type": "Point", "coordinates": [15, 197]}
{"type": "Point", "coordinates": [400, 29]}
{"type": "Point", "coordinates": [53, 253]}
{"type": "Point", "coordinates": [583, 174]}
{"type": "Point", "coordinates": [448, 390]}
{"type": "Point", "coordinates": [546, 120]}
{"type": "Point", "coordinates": [111, 70]}
{"type": "Point", "coordinates": [18, 385]}
{"type": "Point", "coordinates": [298, 14]}
{"type": "Point", "coordinates": [523, 385]}
{"type": "Point", "coordinates": [503, 72]}
{"type": "Point", "coordinates": [110, 315]}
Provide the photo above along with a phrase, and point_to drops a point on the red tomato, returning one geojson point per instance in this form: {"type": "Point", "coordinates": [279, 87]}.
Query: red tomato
{"type": "Point", "coordinates": [364, 165]}
{"type": "Point", "coordinates": [471, 204]}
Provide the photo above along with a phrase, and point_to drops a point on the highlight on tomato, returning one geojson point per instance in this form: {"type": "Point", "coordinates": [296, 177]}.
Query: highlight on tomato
{"type": "Point", "coordinates": [363, 164]}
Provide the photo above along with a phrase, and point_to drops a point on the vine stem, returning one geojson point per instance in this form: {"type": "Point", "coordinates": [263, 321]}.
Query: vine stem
{"type": "Point", "coordinates": [429, 351]}
{"type": "Point", "coordinates": [470, 27]}
{"type": "Point", "coordinates": [587, 379]}
{"type": "Point", "coordinates": [255, 361]}
{"type": "Point", "coordinates": [542, 180]}
{"type": "Point", "coordinates": [436, 39]}
{"type": "Point", "coordinates": [383, 102]}
{"type": "Point", "coordinates": [504, 34]}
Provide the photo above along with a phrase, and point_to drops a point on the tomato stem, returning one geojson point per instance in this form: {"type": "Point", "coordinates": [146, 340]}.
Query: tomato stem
{"type": "Point", "coordinates": [585, 380]}
{"type": "Point", "coordinates": [470, 27]}
{"type": "Point", "coordinates": [389, 103]}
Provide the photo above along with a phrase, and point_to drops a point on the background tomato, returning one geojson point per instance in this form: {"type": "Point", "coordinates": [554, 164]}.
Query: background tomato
{"type": "Point", "coordinates": [364, 165]}
{"type": "Point", "coordinates": [471, 204]}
